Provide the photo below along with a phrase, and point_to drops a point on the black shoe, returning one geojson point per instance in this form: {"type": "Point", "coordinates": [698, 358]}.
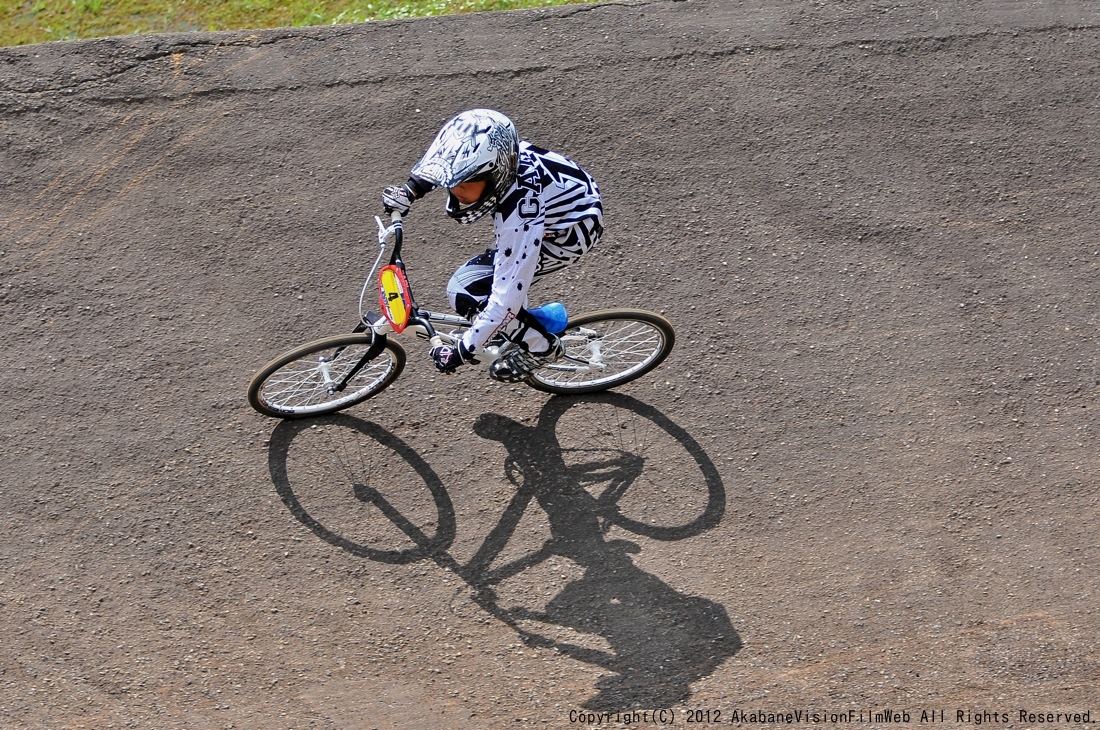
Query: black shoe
{"type": "Point", "coordinates": [518, 364]}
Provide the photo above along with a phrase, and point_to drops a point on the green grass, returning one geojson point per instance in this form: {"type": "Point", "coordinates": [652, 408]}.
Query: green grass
{"type": "Point", "coordinates": [39, 21]}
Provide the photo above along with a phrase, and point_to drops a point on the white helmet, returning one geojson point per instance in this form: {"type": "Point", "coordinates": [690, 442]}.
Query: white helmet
{"type": "Point", "coordinates": [479, 144]}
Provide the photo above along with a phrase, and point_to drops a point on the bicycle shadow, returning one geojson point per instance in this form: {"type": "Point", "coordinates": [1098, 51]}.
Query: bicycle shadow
{"type": "Point", "coordinates": [362, 490]}
{"type": "Point", "coordinates": [660, 640]}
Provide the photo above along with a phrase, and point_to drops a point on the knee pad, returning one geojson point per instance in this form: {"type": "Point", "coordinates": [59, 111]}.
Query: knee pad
{"type": "Point", "coordinates": [465, 305]}
{"type": "Point", "coordinates": [469, 287]}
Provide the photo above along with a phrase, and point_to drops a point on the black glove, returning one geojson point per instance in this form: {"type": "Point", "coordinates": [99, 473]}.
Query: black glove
{"type": "Point", "coordinates": [447, 358]}
{"type": "Point", "coordinates": [397, 198]}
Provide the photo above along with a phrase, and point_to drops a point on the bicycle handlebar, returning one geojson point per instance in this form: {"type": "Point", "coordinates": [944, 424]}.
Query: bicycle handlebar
{"type": "Point", "coordinates": [398, 229]}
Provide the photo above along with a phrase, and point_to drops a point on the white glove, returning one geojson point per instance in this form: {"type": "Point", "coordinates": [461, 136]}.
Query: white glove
{"type": "Point", "coordinates": [397, 198]}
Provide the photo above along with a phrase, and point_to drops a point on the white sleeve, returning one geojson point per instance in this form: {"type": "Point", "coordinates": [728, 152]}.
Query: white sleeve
{"type": "Point", "coordinates": [519, 241]}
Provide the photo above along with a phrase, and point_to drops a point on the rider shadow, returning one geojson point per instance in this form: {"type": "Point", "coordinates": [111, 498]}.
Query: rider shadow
{"type": "Point", "coordinates": [661, 641]}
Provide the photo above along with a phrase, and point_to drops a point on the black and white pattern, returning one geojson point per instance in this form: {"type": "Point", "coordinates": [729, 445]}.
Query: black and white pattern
{"type": "Point", "coordinates": [550, 217]}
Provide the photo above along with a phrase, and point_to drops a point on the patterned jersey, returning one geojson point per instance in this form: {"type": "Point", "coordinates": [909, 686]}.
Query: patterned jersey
{"type": "Point", "coordinates": [550, 216]}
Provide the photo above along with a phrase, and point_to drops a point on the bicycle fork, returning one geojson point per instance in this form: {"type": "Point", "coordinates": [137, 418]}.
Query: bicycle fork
{"type": "Point", "coordinates": [378, 343]}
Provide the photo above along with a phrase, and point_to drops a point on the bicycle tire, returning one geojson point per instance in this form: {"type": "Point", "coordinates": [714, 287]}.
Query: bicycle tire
{"type": "Point", "coordinates": [294, 385]}
{"type": "Point", "coordinates": [640, 340]}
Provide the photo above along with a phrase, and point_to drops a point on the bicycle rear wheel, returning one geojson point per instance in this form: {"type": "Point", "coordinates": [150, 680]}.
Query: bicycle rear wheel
{"type": "Point", "coordinates": [606, 349]}
{"type": "Point", "coordinates": [302, 382]}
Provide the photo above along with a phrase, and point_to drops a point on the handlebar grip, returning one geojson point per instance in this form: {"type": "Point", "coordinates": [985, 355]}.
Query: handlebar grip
{"type": "Point", "coordinates": [436, 340]}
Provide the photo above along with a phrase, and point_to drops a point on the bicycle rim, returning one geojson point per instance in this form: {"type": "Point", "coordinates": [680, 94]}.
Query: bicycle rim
{"type": "Point", "coordinates": [605, 349]}
{"type": "Point", "coordinates": [300, 383]}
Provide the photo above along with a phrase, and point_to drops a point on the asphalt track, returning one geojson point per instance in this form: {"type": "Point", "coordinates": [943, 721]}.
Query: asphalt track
{"type": "Point", "coordinates": [866, 479]}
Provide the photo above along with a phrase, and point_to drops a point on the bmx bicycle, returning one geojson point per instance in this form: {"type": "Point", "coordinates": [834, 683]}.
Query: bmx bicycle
{"type": "Point", "coordinates": [603, 349]}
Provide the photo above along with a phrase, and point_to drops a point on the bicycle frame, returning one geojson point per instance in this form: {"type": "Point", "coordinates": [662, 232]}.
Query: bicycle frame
{"type": "Point", "coordinates": [425, 323]}
{"type": "Point", "coordinates": [422, 322]}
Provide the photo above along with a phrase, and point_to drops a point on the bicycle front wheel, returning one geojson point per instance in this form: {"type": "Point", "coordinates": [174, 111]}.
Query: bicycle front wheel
{"type": "Point", "coordinates": [303, 382]}
{"type": "Point", "coordinates": [605, 349]}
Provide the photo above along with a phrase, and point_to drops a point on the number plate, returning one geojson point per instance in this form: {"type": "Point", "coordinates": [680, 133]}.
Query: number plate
{"type": "Point", "coordinates": [394, 297]}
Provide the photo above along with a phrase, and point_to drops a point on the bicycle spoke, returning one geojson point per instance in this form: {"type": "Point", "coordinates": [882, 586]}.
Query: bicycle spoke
{"type": "Point", "coordinates": [302, 383]}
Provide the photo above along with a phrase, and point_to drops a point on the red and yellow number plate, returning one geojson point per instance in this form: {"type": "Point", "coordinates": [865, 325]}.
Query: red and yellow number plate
{"type": "Point", "coordinates": [393, 296]}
